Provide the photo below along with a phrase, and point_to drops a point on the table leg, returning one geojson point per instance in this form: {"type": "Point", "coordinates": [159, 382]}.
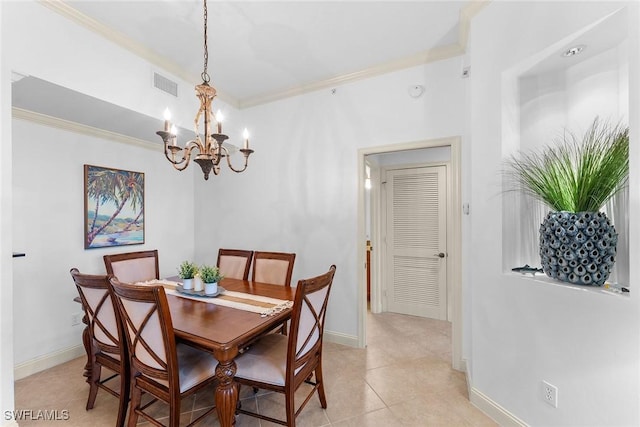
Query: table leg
{"type": "Point", "coordinates": [226, 393]}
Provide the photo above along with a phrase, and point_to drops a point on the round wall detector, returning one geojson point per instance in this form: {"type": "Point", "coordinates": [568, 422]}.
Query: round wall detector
{"type": "Point", "coordinates": [416, 91]}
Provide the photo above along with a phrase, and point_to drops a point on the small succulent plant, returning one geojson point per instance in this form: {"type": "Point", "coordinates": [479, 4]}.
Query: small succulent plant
{"type": "Point", "coordinates": [210, 274]}
{"type": "Point", "coordinates": [187, 270]}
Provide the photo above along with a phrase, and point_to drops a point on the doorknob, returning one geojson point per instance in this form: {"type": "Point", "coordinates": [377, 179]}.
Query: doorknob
{"type": "Point", "coordinates": [440, 255]}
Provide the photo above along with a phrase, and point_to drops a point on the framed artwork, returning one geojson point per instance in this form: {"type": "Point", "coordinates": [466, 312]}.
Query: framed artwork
{"type": "Point", "coordinates": [113, 207]}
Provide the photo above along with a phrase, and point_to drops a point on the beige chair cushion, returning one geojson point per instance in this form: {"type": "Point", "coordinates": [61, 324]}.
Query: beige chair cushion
{"type": "Point", "coordinates": [271, 271]}
{"type": "Point", "coordinates": [233, 266]}
{"type": "Point", "coordinates": [308, 325]}
{"type": "Point", "coordinates": [152, 333]}
{"type": "Point", "coordinates": [106, 315]}
{"type": "Point", "coordinates": [265, 361]}
{"type": "Point", "coordinates": [135, 270]}
{"type": "Point", "coordinates": [194, 366]}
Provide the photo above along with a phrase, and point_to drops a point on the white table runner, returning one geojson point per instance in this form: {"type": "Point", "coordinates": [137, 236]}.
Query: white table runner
{"type": "Point", "coordinates": [265, 306]}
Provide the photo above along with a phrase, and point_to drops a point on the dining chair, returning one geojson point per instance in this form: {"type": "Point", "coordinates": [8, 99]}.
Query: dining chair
{"type": "Point", "coordinates": [234, 263]}
{"type": "Point", "coordinates": [167, 370]}
{"type": "Point", "coordinates": [282, 363]}
{"type": "Point", "coordinates": [275, 268]}
{"type": "Point", "coordinates": [132, 267]}
{"type": "Point", "coordinates": [103, 339]}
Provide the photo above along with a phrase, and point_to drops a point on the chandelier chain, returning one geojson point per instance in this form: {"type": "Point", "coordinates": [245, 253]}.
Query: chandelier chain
{"type": "Point", "coordinates": [205, 75]}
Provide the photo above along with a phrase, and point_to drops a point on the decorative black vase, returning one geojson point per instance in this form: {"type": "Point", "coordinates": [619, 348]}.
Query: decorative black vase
{"type": "Point", "coordinates": [579, 248]}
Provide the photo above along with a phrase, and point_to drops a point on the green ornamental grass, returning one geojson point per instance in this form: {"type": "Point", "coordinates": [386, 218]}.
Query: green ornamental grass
{"type": "Point", "coordinates": [576, 175]}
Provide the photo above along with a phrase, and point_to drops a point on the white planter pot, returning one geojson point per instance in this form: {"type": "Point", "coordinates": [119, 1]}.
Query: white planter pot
{"type": "Point", "coordinates": [211, 288]}
{"type": "Point", "coordinates": [187, 284]}
{"type": "Point", "coordinates": [197, 284]}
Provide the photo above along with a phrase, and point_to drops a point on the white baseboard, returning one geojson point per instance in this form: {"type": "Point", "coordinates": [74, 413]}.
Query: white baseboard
{"type": "Point", "coordinates": [493, 410]}
{"type": "Point", "coordinates": [47, 361]}
{"type": "Point", "coordinates": [340, 338]}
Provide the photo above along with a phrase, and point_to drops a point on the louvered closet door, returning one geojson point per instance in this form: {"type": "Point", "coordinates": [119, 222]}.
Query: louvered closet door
{"type": "Point", "coordinates": [416, 235]}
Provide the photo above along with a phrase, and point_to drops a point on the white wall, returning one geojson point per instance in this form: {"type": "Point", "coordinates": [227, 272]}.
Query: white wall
{"type": "Point", "coordinates": [300, 192]}
{"type": "Point", "coordinates": [48, 176]}
{"type": "Point", "coordinates": [6, 270]}
{"type": "Point", "coordinates": [48, 207]}
{"type": "Point", "coordinates": [526, 331]}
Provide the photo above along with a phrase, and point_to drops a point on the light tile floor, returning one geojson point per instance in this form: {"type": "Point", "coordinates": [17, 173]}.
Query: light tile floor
{"type": "Point", "coordinates": [402, 378]}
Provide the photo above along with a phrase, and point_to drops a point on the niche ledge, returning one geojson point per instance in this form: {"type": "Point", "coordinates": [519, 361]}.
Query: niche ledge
{"type": "Point", "coordinates": [610, 289]}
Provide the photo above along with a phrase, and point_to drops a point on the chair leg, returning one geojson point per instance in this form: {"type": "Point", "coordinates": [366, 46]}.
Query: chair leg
{"type": "Point", "coordinates": [320, 382]}
{"type": "Point", "coordinates": [239, 404]}
{"type": "Point", "coordinates": [96, 371]}
{"type": "Point", "coordinates": [136, 399]}
{"type": "Point", "coordinates": [174, 414]}
{"type": "Point", "coordinates": [124, 398]}
{"type": "Point", "coordinates": [290, 408]}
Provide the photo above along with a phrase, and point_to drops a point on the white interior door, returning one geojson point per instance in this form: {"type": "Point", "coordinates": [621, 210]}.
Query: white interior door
{"type": "Point", "coordinates": [416, 281]}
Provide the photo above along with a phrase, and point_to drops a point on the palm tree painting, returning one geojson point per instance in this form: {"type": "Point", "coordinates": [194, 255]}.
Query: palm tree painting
{"type": "Point", "coordinates": [114, 207]}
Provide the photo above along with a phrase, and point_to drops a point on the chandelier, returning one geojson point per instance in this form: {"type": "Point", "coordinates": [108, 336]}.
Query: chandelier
{"type": "Point", "coordinates": [210, 148]}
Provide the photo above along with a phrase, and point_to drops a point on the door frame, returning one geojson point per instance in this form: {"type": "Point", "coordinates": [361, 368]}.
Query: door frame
{"type": "Point", "coordinates": [454, 239]}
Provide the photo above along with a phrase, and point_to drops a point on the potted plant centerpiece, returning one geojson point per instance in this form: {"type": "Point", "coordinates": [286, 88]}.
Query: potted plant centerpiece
{"type": "Point", "coordinates": [210, 277]}
{"type": "Point", "coordinates": [575, 178]}
{"type": "Point", "coordinates": [187, 272]}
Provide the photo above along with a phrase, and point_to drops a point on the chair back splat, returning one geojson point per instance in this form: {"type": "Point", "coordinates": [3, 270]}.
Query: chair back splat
{"type": "Point", "coordinates": [234, 263]}
{"type": "Point", "coordinates": [282, 363]}
{"type": "Point", "coordinates": [132, 267]}
{"type": "Point", "coordinates": [273, 267]}
{"type": "Point", "coordinates": [159, 366]}
{"type": "Point", "coordinates": [103, 339]}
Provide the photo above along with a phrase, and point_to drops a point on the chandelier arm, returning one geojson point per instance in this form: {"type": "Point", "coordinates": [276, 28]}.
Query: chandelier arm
{"type": "Point", "coordinates": [186, 157]}
{"type": "Point", "coordinates": [246, 153]}
{"type": "Point", "coordinates": [169, 148]}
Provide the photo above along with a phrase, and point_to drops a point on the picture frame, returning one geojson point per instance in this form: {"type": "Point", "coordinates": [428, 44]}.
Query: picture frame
{"type": "Point", "coordinates": [113, 207]}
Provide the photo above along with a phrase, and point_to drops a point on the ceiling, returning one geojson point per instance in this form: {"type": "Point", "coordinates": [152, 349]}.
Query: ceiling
{"type": "Point", "coordinates": [264, 50]}
{"type": "Point", "coordinates": [259, 51]}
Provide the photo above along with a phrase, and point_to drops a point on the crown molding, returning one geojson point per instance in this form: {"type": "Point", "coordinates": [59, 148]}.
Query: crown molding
{"type": "Point", "coordinates": [60, 7]}
{"type": "Point", "coordinates": [43, 119]}
{"type": "Point", "coordinates": [431, 55]}
{"type": "Point", "coordinates": [444, 52]}
{"type": "Point", "coordinates": [437, 54]}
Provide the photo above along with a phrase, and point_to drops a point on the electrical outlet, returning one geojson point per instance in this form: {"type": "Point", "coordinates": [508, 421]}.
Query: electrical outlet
{"type": "Point", "coordinates": [550, 394]}
{"type": "Point", "coordinates": [76, 318]}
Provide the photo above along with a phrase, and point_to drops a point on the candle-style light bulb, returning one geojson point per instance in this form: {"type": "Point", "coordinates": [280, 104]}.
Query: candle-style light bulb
{"type": "Point", "coordinates": [245, 135]}
{"type": "Point", "coordinates": [167, 119]}
{"type": "Point", "coordinates": [219, 118]}
{"type": "Point", "coordinates": [174, 133]}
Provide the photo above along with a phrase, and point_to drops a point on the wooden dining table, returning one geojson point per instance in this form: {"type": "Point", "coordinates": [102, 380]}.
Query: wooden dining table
{"type": "Point", "coordinates": [224, 331]}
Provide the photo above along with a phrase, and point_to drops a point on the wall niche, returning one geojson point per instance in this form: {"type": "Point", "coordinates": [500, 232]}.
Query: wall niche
{"type": "Point", "coordinates": [564, 88]}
